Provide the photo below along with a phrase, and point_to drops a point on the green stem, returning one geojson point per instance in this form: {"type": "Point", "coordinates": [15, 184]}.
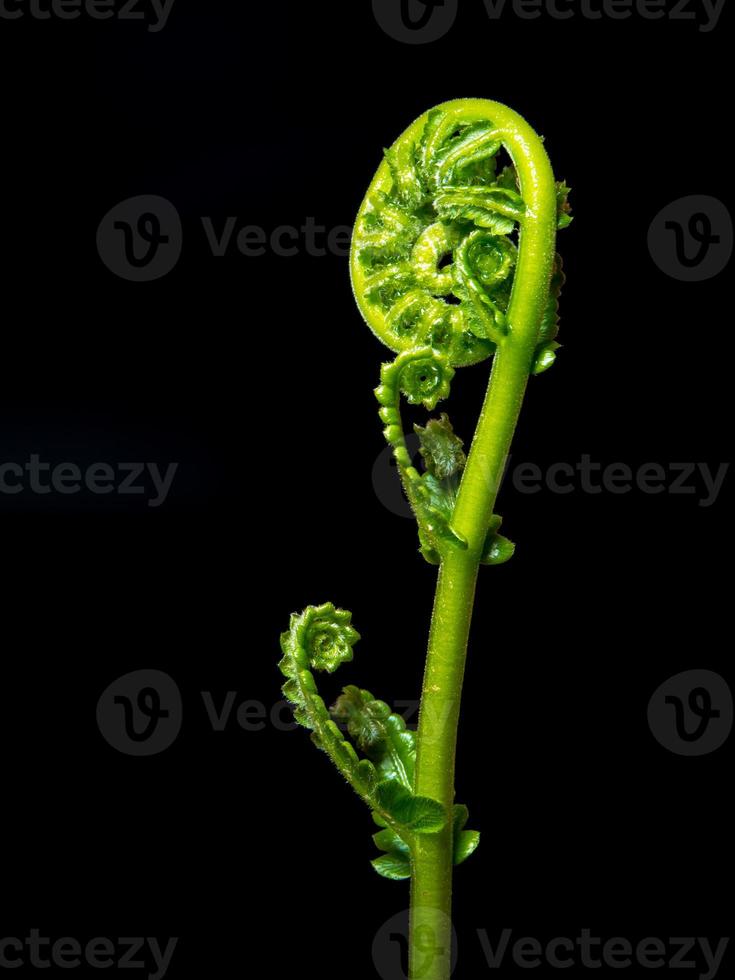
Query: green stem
{"type": "Point", "coordinates": [431, 886]}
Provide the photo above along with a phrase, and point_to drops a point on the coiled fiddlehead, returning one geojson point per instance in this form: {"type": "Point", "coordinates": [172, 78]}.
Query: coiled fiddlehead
{"type": "Point", "coordinates": [432, 257]}
{"type": "Point", "coordinates": [432, 263]}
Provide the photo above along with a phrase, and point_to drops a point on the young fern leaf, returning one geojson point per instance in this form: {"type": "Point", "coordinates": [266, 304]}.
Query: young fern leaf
{"type": "Point", "coordinates": [442, 450]}
{"type": "Point", "coordinates": [444, 459]}
{"type": "Point", "coordinates": [453, 261]}
{"type": "Point", "coordinates": [321, 638]}
{"type": "Point", "coordinates": [384, 739]}
{"type": "Point", "coordinates": [379, 734]}
{"type": "Point", "coordinates": [423, 376]}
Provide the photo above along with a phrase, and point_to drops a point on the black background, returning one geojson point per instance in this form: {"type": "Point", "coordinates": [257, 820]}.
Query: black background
{"type": "Point", "coordinates": [256, 376]}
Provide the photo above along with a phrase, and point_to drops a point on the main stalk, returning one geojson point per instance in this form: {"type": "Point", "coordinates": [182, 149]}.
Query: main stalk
{"type": "Point", "coordinates": [431, 884]}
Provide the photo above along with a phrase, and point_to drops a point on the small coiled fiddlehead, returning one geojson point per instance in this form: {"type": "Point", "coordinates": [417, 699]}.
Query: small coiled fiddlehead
{"type": "Point", "coordinates": [321, 638]}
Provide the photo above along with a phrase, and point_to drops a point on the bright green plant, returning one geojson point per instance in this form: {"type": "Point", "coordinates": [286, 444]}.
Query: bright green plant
{"type": "Point", "coordinates": [453, 261]}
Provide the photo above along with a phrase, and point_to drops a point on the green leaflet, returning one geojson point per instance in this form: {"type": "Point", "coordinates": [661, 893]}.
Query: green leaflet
{"type": "Point", "coordinates": [465, 841]}
{"type": "Point", "coordinates": [396, 862]}
{"type": "Point", "coordinates": [563, 208]}
{"type": "Point", "coordinates": [544, 357]}
{"type": "Point", "coordinates": [498, 549]}
{"type": "Point", "coordinates": [321, 637]}
{"type": "Point", "coordinates": [416, 813]}
{"type": "Point", "coordinates": [545, 353]}
{"type": "Point", "coordinates": [393, 866]}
